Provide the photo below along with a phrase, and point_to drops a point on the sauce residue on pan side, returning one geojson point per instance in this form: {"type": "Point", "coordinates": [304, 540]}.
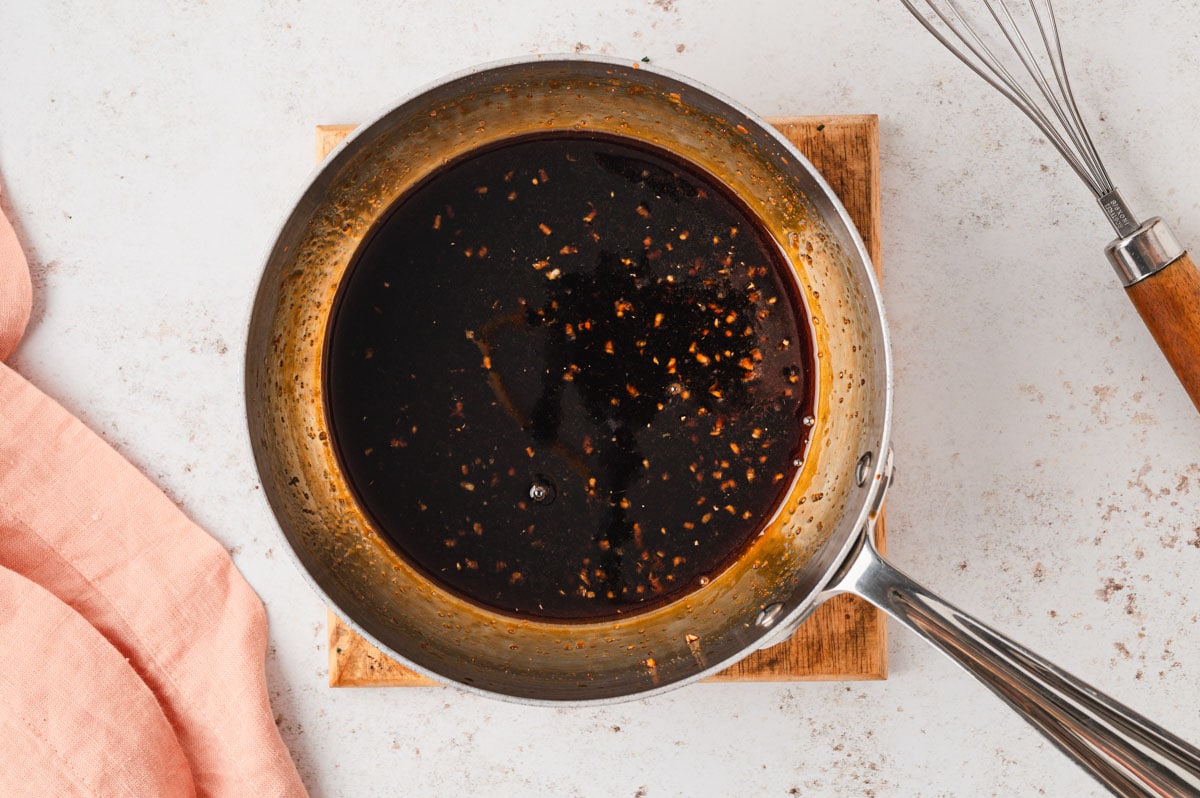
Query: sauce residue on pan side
{"type": "Point", "coordinates": [568, 378]}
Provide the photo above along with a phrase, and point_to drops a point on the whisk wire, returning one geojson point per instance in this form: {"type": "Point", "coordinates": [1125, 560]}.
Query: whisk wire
{"type": "Point", "coordinates": [1018, 45]}
{"type": "Point", "coordinates": [1069, 123]}
{"type": "Point", "coordinates": [1058, 116]}
{"type": "Point", "coordinates": [991, 70]}
{"type": "Point", "coordinates": [1060, 69]}
{"type": "Point", "coordinates": [1061, 104]}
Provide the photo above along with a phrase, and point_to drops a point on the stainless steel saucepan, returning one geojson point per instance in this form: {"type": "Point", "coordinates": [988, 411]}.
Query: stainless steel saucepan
{"type": "Point", "coordinates": [816, 544]}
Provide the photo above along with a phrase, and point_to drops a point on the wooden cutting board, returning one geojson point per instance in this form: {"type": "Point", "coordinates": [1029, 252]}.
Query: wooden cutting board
{"type": "Point", "coordinates": [845, 638]}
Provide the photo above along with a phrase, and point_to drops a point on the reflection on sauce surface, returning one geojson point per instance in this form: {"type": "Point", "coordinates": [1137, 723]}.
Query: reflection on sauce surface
{"type": "Point", "coordinates": [565, 379]}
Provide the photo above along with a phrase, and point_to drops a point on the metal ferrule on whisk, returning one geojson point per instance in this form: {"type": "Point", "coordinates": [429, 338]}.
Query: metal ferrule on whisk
{"type": "Point", "coordinates": [1139, 250]}
{"type": "Point", "coordinates": [1150, 248]}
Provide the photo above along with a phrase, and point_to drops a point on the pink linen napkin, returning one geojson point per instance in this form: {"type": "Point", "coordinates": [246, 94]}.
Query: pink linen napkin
{"type": "Point", "coordinates": [16, 292]}
{"type": "Point", "coordinates": [132, 656]}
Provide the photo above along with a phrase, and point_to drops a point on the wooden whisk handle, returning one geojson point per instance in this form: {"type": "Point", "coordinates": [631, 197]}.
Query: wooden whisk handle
{"type": "Point", "coordinates": [1169, 303]}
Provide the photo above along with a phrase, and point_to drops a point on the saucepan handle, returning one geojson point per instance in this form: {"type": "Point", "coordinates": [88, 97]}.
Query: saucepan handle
{"type": "Point", "coordinates": [1125, 751]}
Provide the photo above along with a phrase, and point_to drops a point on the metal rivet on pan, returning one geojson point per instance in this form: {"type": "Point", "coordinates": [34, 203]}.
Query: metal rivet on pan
{"type": "Point", "coordinates": [863, 468]}
{"type": "Point", "coordinates": [769, 615]}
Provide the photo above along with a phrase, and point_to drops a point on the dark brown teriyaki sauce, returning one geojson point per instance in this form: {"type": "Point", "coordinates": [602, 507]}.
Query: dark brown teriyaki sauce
{"type": "Point", "coordinates": [566, 379]}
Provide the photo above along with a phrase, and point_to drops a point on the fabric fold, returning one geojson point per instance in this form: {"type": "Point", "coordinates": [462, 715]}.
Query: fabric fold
{"type": "Point", "coordinates": [63, 733]}
{"type": "Point", "coordinates": [16, 289]}
{"type": "Point", "coordinates": [102, 567]}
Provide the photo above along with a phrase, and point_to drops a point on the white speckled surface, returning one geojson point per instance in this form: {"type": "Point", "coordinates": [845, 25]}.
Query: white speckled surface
{"type": "Point", "coordinates": [1049, 465]}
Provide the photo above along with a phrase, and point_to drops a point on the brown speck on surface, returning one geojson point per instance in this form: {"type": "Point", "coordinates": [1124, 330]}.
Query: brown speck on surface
{"type": "Point", "coordinates": [1111, 586]}
{"type": "Point", "coordinates": [1032, 392]}
{"type": "Point", "coordinates": [1139, 480]}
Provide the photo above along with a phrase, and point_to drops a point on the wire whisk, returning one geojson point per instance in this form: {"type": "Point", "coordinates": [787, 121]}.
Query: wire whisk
{"type": "Point", "coordinates": [1019, 52]}
{"type": "Point", "coordinates": [1035, 80]}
